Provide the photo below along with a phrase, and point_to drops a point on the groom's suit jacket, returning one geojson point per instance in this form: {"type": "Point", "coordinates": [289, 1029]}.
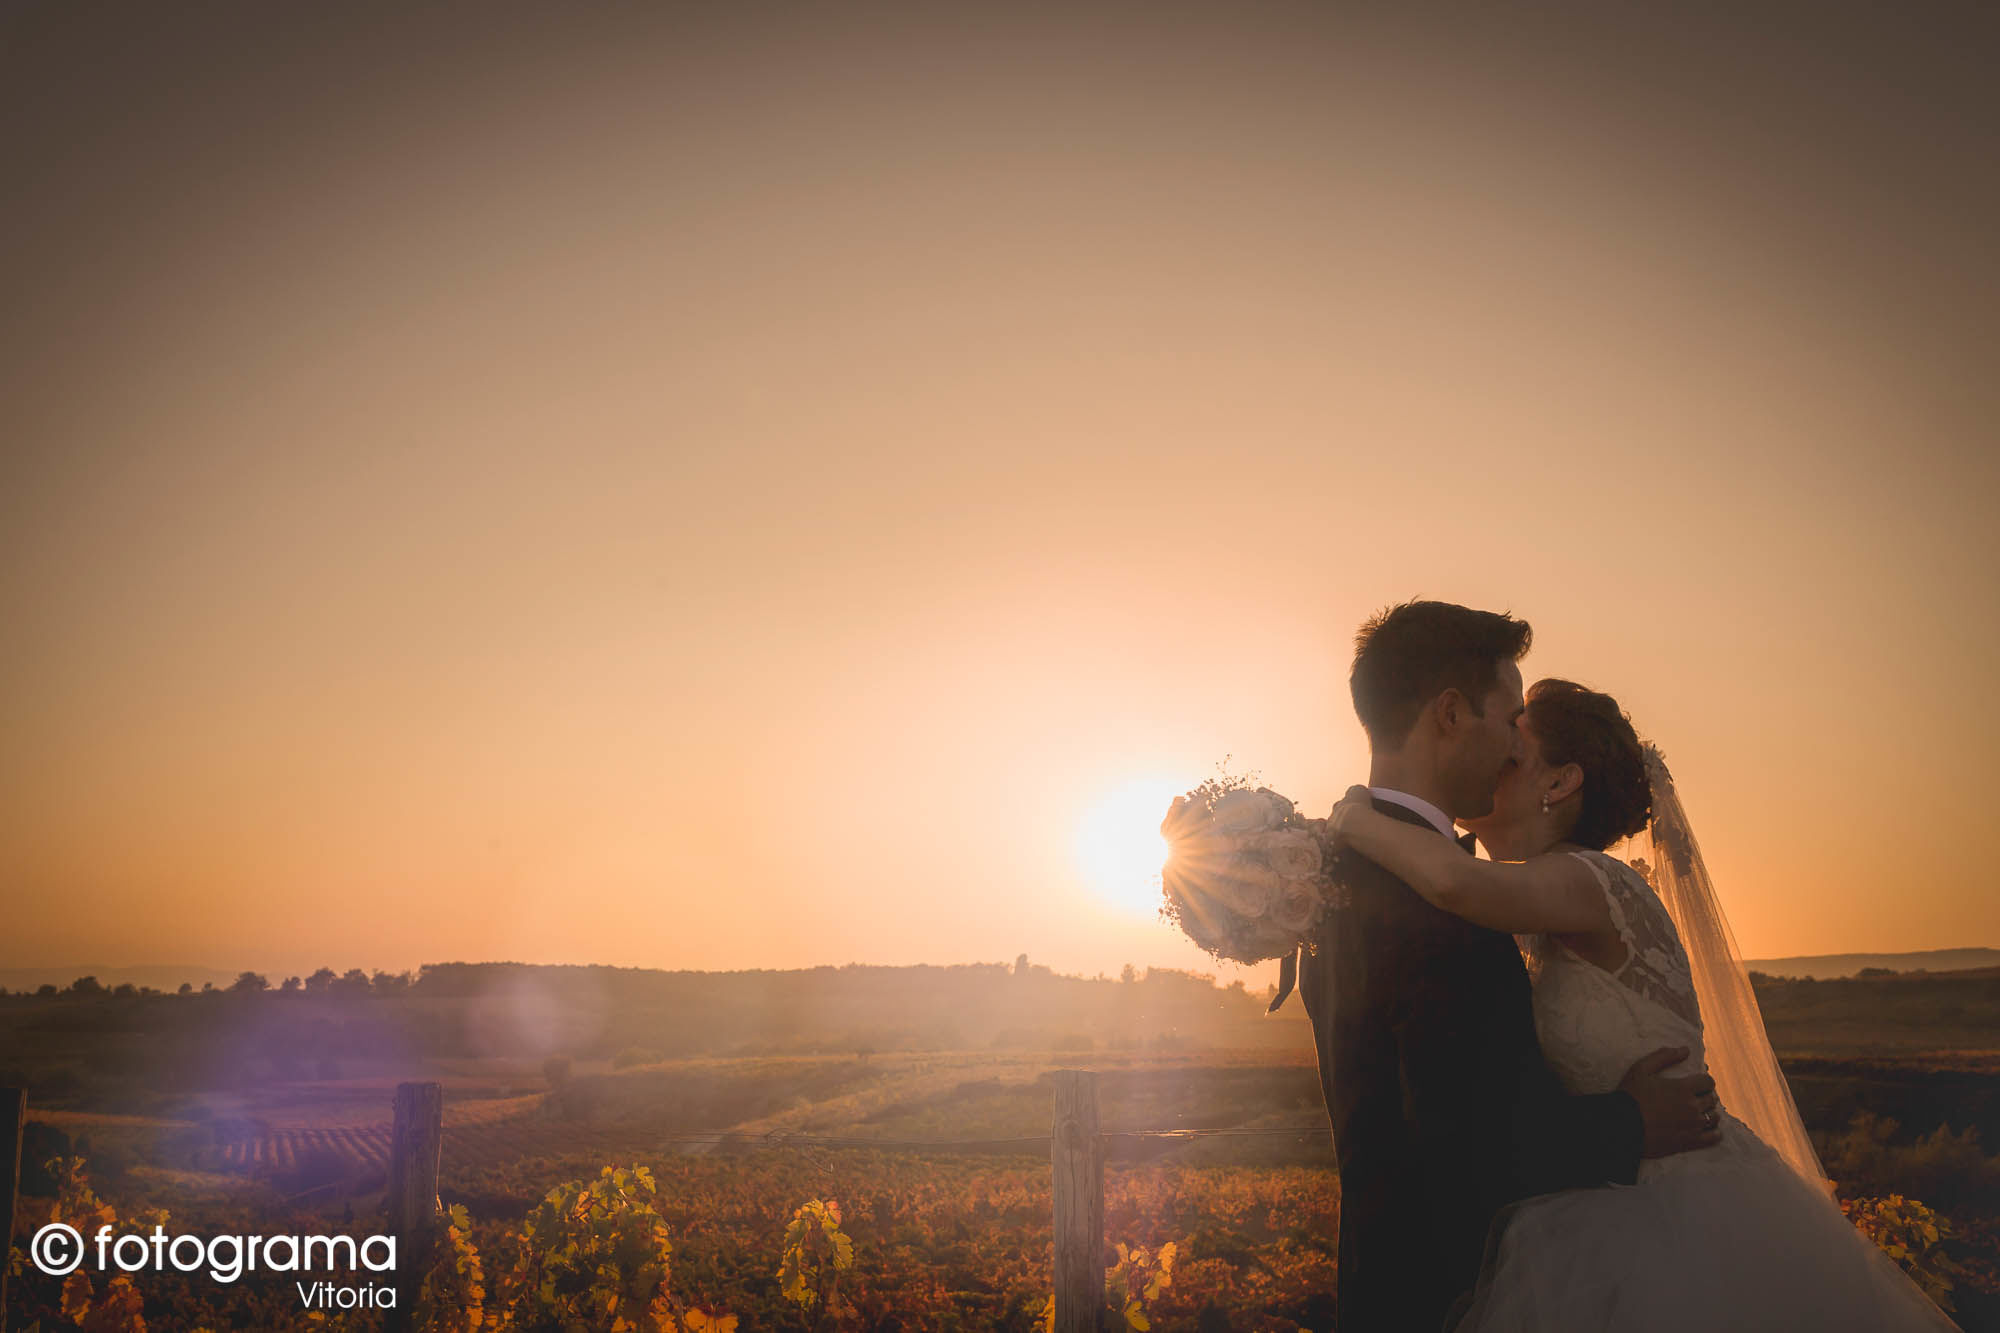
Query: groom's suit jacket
{"type": "Point", "coordinates": [1442, 1108]}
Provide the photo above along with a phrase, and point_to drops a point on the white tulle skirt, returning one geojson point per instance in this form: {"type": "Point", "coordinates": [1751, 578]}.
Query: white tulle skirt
{"type": "Point", "coordinates": [1727, 1238]}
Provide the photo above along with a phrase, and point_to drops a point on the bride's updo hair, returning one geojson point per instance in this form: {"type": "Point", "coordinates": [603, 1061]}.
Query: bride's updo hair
{"type": "Point", "coordinates": [1588, 729]}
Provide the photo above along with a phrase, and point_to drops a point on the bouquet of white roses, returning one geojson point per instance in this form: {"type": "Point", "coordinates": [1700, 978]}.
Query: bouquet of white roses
{"type": "Point", "coordinates": [1247, 877]}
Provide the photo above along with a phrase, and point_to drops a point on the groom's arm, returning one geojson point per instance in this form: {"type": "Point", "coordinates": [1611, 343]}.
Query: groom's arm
{"type": "Point", "coordinates": [1564, 1141]}
{"type": "Point", "coordinates": [1486, 1111]}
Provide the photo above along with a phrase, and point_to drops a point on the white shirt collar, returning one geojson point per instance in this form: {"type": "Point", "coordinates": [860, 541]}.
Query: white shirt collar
{"type": "Point", "coordinates": [1439, 820]}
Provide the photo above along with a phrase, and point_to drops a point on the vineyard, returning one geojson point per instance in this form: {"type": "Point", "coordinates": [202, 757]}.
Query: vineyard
{"type": "Point", "coordinates": [945, 1242]}
{"type": "Point", "coordinates": [1210, 1233]}
{"type": "Point", "coordinates": [940, 1238]}
{"type": "Point", "coordinates": [282, 1154]}
{"type": "Point", "coordinates": [938, 1243]}
{"type": "Point", "coordinates": [745, 1182]}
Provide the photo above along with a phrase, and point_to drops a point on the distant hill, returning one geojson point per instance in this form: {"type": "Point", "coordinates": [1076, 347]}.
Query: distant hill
{"type": "Point", "coordinates": [161, 976]}
{"type": "Point", "coordinates": [1823, 966]}
{"type": "Point", "coordinates": [169, 976]}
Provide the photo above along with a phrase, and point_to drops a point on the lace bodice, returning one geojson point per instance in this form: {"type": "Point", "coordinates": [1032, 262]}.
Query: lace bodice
{"type": "Point", "coordinates": [1724, 1237]}
{"type": "Point", "coordinates": [1656, 966]}
{"type": "Point", "coordinates": [1594, 1023]}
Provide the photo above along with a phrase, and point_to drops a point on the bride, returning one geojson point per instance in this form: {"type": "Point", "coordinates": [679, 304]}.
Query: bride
{"type": "Point", "coordinates": [1742, 1235]}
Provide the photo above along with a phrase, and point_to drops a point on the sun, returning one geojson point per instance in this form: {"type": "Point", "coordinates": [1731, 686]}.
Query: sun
{"type": "Point", "coordinates": [1118, 844]}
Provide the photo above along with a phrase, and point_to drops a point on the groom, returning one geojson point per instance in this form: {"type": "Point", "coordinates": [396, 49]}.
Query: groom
{"type": "Point", "coordinates": [1442, 1109]}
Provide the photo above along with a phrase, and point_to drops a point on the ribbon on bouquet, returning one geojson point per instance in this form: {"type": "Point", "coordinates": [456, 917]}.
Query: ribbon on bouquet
{"type": "Point", "coordinates": [1288, 977]}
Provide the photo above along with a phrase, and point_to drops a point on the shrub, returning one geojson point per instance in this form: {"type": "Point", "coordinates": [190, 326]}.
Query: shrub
{"type": "Point", "coordinates": [1947, 1168]}
{"type": "Point", "coordinates": [1909, 1233]}
{"type": "Point", "coordinates": [41, 1142]}
{"type": "Point", "coordinates": [117, 1304]}
{"type": "Point", "coordinates": [593, 1253]}
{"type": "Point", "coordinates": [452, 1296]}
{"type": "Point", "coordinates": [816, 1252]}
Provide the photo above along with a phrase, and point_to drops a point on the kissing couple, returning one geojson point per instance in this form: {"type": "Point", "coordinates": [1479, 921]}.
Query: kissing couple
{"type": "Point", "coordinates": [1609, 1145]}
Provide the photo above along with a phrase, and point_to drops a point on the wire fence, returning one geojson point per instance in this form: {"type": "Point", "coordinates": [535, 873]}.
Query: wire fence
{"type": "Point", "coordinates": [1042, 1142]}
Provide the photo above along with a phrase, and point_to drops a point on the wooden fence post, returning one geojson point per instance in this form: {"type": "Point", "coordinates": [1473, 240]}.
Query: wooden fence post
{"type": "Point", "coordinates": [1078, 1159]}
{"type": "Point", "coordinates": [13, 1118]}
{"type": "Point", "coordinates": [412, 1197]}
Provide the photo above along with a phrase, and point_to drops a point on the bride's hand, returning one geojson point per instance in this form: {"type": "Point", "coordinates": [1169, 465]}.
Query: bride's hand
{"type": "Point", "coordinates": [1357, 798]}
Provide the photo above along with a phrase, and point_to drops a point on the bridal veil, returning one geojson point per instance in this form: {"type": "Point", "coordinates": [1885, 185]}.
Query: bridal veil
{"type": "Point", "coordinates": [1746, 1073]}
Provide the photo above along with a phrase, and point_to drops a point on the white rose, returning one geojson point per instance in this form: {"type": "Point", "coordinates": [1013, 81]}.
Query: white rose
{"type": "Point", "coordinates": [1243, 812]}
{"type": "Point", "coordinates": [1293, 853]}
{"type": "Point", "coordinates": [1246, 887]}
{"type": "Point", "coordinates": [1203, 855]}
{"type": "Point", "coordinates": [1236, 896]}
{"type": "Point", "coordinates": [1184, 818]}
{"type": "Point", "coordinates": [1296, 909]}
{"type": "Point", "coordinates": [1281, 808]}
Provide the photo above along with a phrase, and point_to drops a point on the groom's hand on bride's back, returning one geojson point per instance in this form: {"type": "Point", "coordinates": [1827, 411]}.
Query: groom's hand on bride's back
{"type": "Point", "coordinates": [1680, 1113]}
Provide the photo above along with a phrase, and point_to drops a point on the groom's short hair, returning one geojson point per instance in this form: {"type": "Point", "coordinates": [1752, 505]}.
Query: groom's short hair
{"type": "Point", "coordinates": [1405, 656]}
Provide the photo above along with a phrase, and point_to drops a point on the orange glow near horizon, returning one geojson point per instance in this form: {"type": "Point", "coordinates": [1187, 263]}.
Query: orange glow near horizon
{"type": "Point", "coordinates": [677, 490]}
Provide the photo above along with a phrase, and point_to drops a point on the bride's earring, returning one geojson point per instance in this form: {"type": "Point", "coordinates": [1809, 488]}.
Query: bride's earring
{"type": "Point", "coordinates": [1545, 802]}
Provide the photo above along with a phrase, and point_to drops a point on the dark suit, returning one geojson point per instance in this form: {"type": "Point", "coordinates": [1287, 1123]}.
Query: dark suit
{"type": "Point", "coordinates": [1442, 1108]}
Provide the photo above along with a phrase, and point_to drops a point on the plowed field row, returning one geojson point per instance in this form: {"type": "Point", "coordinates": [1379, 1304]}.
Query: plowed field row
{"type": "Point", "coordinates": [365, 1148]}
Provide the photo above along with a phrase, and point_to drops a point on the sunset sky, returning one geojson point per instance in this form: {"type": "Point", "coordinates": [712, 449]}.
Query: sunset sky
{"type": "Point", "coordinates": [699, 488]}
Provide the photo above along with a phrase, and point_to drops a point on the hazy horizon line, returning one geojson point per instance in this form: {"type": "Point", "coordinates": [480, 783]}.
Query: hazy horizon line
{"type": "Point", "coordinates": [75, 971]}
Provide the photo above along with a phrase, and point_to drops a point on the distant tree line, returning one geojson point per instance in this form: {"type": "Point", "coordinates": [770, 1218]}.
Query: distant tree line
{"type": "Point", "coordinates": [326, 981]}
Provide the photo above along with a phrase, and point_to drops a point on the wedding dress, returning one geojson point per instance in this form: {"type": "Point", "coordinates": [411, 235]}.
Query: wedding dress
{"type": "Point", "coordinates": [1730, 1237]}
